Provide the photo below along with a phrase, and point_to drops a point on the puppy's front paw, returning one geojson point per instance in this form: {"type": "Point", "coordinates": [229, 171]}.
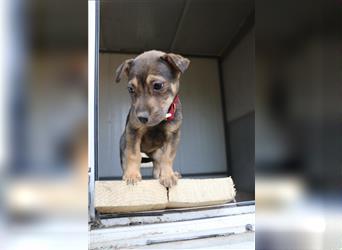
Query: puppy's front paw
{"type": "Point", "coordinates": [169, 179]}
{"type": "Point", "coordinates": [132, 177]}
{"type": "Point", "coordinates": [156, 172]}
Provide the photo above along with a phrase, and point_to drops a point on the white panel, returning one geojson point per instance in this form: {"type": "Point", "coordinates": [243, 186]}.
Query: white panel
{"type": "Point", "coordinates": [114, 105]}
{"type": "Point", "coordinates": [202, 147]}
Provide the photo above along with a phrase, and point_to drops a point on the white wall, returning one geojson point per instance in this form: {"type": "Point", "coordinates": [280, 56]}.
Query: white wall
{"type": "Point", "coordinates": [202, 147]}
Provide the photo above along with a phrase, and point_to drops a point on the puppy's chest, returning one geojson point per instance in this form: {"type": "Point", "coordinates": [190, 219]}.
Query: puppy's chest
{"type": "Point", "coordinates": [153, 139]}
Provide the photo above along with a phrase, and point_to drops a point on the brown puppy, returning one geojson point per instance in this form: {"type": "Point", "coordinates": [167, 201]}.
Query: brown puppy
{"type": "Point", "coordinates": [154, 120]}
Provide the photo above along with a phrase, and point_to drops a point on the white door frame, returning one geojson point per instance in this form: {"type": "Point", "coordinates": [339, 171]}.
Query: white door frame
{"type": "Point", "coordinates": [93, 78]}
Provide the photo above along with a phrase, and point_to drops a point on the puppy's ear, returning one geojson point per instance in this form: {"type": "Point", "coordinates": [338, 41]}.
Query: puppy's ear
{"type": "Point", "coordinates": [177, 61]}
{"type": "Point", "coordinates": [124, 67]}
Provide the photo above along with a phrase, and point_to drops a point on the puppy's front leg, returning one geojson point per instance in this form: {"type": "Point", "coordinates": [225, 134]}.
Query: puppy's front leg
{"type": "Point", "coordinates": [163, 161]}
{"type": "Point", "coordinates": [130, 156]}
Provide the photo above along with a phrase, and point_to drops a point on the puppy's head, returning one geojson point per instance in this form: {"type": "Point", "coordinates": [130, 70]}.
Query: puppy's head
{"type": "Point", "coordinates": [153, 83]}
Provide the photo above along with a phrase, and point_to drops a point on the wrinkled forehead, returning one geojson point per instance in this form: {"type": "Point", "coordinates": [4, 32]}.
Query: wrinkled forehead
{"type": "Point", "coordinates": [145, 66]}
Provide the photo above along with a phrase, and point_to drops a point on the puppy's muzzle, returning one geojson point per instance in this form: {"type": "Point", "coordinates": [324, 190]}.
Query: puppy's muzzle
{"type": "Point", "coordinates": [143, 117]}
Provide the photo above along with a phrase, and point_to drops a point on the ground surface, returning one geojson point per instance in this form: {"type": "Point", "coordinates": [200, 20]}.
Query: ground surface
{"type": "Point", "coordinates": [228, 226]}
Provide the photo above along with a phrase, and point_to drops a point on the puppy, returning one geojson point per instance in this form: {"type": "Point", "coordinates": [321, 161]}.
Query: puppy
{"type": "Point", "coordinates": [155, 116]}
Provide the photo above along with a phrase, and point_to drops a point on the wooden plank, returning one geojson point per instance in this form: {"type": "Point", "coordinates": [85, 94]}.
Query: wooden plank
{"type": "Point", "coordinates": [118, 197]}
{"type": "Point", "coordinates": [177, 216]}
{"type": "Point", "coordinates": [140, 235]}
{"type": "Point", "coordinates": [201, 192]}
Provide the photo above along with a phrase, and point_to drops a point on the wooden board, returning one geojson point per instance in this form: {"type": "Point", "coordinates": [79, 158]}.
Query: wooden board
{"type": "Point", "coordinates": [201, 192]}
{"type": "Point", "coordinates": [118, 197]}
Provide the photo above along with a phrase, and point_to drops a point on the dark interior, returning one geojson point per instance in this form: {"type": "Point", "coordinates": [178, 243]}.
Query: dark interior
{"type": "Point", "coordinates": [199, 28]}
{"type": "Point", "coordinates": [221, 30]}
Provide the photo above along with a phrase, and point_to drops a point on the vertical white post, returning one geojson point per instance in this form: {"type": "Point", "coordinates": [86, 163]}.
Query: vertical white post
{"type": "Point", "coordinates": [92, 81]}
{"type": "Point", "coordinates": [4, 82]}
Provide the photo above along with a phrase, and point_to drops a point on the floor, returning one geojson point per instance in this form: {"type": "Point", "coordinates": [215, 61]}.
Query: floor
{"type": "Point", "coordinates": [228, 226]}
{"type": "Point", "coordinates": [238, 241]}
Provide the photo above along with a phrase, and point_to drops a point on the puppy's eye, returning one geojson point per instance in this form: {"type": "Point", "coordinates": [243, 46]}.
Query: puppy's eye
{"type": "Point", "coordinates": [158, 85]}
{"type": "Point", "coordinates": [130, 89]}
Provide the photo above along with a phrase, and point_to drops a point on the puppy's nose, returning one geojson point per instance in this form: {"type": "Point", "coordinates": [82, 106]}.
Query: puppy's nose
{"type": "Point", "coordinates": [143, 117]}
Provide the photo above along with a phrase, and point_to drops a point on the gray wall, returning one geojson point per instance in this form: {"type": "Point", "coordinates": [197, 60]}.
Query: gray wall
{"type": "Point", "coordinates": [202, 147]}
{"type": "Point", "coordinates": [239, 85]}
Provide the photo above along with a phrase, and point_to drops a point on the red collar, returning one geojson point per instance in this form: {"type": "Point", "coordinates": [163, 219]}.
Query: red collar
{"type": "Point", "coordinates": [172, 110]}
